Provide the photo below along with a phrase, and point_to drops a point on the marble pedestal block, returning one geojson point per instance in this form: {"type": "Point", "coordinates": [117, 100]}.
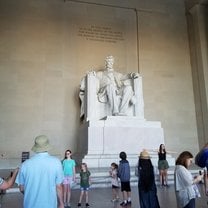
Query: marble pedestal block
{"type": "Point", "coordinates": [101, 141]}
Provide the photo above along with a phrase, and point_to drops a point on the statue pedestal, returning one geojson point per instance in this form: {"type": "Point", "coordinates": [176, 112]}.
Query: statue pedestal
{"type": "Point", "coordinates": [101, 141]}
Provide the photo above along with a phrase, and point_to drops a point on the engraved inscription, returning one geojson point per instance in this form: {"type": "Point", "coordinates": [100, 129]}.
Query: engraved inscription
{"type": "Point", "coordinates": [99, 33]}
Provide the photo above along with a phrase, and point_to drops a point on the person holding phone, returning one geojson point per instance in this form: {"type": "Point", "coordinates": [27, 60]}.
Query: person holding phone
{"type": "Point", "coordinates": [186, 189]}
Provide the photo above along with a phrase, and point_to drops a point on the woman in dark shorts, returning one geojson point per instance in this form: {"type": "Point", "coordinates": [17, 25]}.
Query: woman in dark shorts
{"type": "Point", "coordinates": [163, 166]}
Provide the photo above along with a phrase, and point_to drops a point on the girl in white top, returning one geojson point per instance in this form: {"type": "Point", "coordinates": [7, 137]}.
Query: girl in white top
{"type": "Point", "coordinates": [114, 181]}
{"type": "Point", "coordinates": [185, 185]}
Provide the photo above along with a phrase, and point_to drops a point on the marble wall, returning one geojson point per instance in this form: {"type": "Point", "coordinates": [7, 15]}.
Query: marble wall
{"type": "Point", "coordinates": [44, 55]}
{"type": "Point", "coordinates": [197, 16]}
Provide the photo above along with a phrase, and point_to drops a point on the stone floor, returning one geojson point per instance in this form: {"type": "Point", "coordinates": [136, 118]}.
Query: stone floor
{"type": "Point", "coordinates": [100, 198]}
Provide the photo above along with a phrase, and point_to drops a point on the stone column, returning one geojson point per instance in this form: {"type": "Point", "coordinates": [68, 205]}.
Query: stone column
{"type": "Point", "coordinates": [197, 25]}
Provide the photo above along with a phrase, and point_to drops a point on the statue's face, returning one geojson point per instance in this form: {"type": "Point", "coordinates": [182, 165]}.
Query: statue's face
{"type": "Point", "coordinates": [109, 64]}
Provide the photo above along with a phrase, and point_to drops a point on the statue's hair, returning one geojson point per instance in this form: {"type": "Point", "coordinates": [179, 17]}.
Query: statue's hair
{"type": "Point", "coordinates": [109, 57]}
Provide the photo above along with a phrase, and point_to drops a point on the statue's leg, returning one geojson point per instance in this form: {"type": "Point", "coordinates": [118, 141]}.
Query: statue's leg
{"type": "Point", "coordinates": [112, 98]}
{"type": "Point", "coordinates": [126, 97]}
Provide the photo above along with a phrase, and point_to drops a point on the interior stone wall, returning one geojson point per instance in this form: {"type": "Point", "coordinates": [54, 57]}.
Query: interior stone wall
{"type": "Point", "coordinates": [197, 27]}
{"type": "Point", "coordinates": [43, 59]}
{"type": "Point", "coordinates": [167, 77]}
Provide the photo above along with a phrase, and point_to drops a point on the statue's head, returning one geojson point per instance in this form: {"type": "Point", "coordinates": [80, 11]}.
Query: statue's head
{"type": "Point", "coordinates": [110, 57]}
{"type": "Point", "coordinates": [109, 62]}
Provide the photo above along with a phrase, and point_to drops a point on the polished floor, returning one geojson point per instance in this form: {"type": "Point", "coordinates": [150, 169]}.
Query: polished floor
{"type": "Point", "coordinates": [101, 198]}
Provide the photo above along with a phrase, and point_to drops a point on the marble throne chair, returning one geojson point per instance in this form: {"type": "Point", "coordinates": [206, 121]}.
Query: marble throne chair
{"type": "Point", "coordinates": [92, 109]}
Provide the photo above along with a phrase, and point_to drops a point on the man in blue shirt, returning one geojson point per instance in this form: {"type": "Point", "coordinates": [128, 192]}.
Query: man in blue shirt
{"type": "Point", "coordinates": [40, 177]}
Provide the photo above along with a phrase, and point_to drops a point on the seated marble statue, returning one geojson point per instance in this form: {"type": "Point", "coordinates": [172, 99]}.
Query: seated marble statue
{"type": "Point", "coordinates": [113, 88]}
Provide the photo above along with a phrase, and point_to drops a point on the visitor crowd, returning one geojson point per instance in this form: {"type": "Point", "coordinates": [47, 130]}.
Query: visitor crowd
{"type": "Point", "coordinates": [46, 181]}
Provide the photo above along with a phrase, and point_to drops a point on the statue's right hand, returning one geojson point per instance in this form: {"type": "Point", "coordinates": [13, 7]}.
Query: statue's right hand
{"type": "Point", "coordinates": [91, 72]}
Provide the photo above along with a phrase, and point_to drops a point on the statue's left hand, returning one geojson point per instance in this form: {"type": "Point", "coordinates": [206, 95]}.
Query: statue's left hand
{"type": "Point", "coordinates": [134, 75]}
